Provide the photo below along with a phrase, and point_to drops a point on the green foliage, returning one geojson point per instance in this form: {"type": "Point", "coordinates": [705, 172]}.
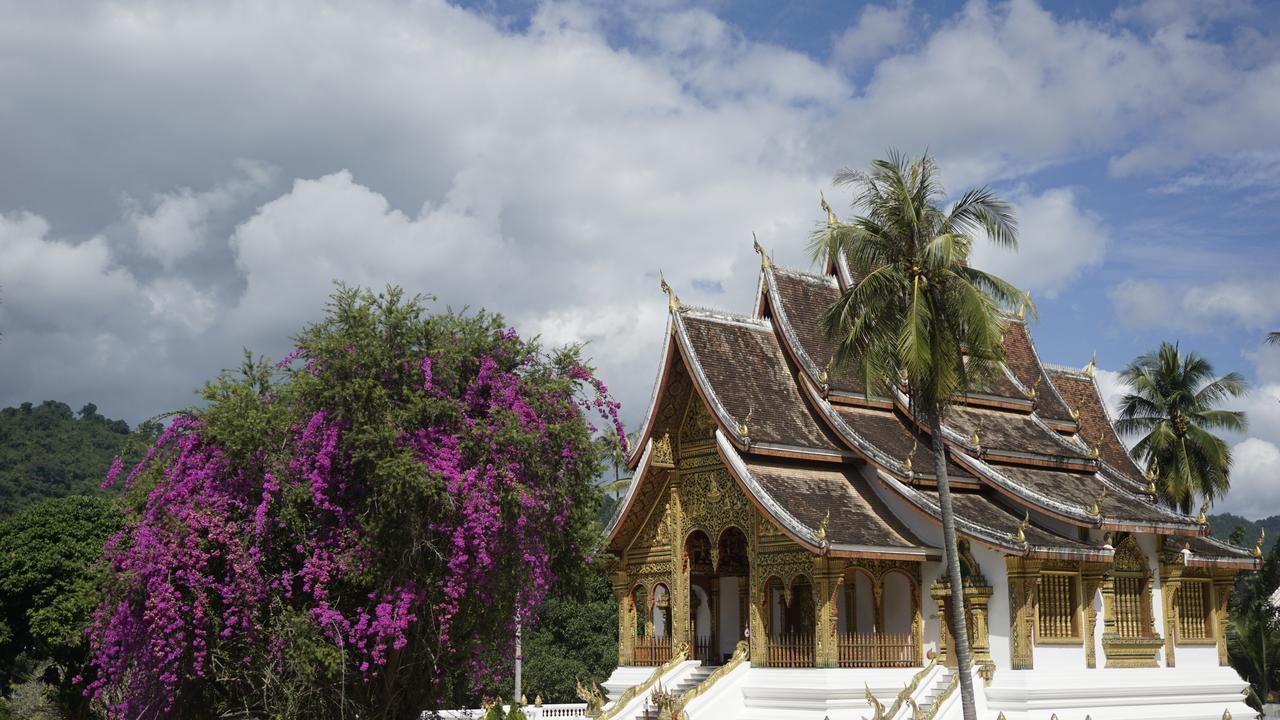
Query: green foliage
{"type": "Point", "coordinates": [515, 713]}
{"type": "Point", "coordinates": [1224, 525]}
{"type": "Point", "coordinates": [576, 639]}
{"type": "Point", "coordinates": [48, 451]}
{"type": "Point", "coordinates": [1171, 404]}
{"type": "Point", "coordinates": [48, 588]}
{"type": "Point", "coordinates": [1273, 338]}
{"type": "Point", "coordinates": [1253, 636]}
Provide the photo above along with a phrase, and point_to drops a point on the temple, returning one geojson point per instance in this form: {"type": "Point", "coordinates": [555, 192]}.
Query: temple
{"type": "Point", "coordinates": [778, 553]}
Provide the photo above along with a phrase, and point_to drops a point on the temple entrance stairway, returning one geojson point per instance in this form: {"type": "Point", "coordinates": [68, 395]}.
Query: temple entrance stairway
{"type": "Point", "coordinates": [686, 683]}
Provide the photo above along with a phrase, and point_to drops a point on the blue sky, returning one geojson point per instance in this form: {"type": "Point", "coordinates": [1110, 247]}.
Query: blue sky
{"type": "Point", "coordinates": [183, 180]}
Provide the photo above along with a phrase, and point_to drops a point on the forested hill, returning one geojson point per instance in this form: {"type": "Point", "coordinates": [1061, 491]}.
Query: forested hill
{"type": "Point", "coordinates": [1222, 524]}
{"type": "Point", "coordinates": [48, 451]}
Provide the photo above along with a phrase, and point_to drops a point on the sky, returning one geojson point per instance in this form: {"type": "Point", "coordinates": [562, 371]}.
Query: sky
{"type": "Point", "coordinates": [180, 181]}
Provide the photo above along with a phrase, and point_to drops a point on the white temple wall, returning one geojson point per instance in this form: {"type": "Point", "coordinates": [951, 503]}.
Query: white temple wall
{"type": "Point", "coordinates": [659, 617]}
{"type": "Point", "coordinates": [993, 566]}
{"type": "Point", "coordinates": [702, 620]}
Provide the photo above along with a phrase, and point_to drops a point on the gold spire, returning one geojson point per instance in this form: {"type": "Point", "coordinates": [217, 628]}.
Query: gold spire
{"type": "Point", "coordinates": [1022, 311]}
{"type": "Point", "coordinates": [1092, 366]}
{"type": "Point", "coordinates": [824, 375]}
{"type": "Point", "coordinates": [1152, 474]}
{"type": "Point", "coordinates": [744, 427]}
{"type": "Point", "coordinates": [1034, 390]}
{"type": "Point", "coordinates": [1203, 518]}
{"type": "Point", "coordinates": [1257, 547]}
{"type": "Point", "coordinates": [765, 262]}
{"type": "Point", "coordinates": [1096, 509]}
{"type": "Point", "coordinates": [822, 527]}
{"type": "Point", "coordinates": [831, 216]}
{"type": "Point", "coordinates": [915, 443]}
{"type": "Point", "coordinates": [1021, 535]}
{"type": "Point", "coordinates": [673, 302]}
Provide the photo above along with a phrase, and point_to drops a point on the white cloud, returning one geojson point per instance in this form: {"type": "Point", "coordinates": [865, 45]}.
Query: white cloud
{"type": "Point", "coordinates": [176, 224]}
{"type": "Point", "coordinates": [1057, 240]}
{"type": "Point", "coordinates": [1248, 304]}
{"type": "Point", "coordinates": [1255, 480]}
{"type": "Point", "coordinates": [880, 29]}
{"type": "Point", "coordinates": [549, 172]}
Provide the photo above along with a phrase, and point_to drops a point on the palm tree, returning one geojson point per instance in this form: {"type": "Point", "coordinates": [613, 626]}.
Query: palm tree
{"type": "Point", "coordinates": [1273, 338]}
{"type": "Point", "coordinates": [1172, 406]}
{"type": "Point", "coordinates": [917, 308]}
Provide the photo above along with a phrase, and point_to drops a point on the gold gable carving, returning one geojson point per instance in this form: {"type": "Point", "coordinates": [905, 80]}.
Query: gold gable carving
{"type": "Point", "coordinates": [699, 426]}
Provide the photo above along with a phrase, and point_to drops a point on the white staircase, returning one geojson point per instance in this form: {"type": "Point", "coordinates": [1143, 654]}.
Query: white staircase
{"type": "Point", "coordinates": [689, 681]}
{"type": "Point", "coordinates": [930, 695]}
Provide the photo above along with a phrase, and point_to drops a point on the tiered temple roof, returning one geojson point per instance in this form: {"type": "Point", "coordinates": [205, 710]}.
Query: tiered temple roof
{"type": "Point", "coordinates": [1034, 460]}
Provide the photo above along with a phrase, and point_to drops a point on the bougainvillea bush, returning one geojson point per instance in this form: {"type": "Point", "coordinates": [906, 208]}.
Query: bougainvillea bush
{"type": "Point", "coordinates": [355, 529]}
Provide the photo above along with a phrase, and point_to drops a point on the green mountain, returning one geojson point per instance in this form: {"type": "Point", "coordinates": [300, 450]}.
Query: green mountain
{"type": "Point", "coordinates": [48, 451]}
{"type": "Point", "coordinates": [1223, 524]}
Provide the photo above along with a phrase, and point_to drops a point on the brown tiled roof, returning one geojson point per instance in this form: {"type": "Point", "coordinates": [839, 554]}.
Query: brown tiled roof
{"type": "Point", "coordinates": [804, 298]}
{"type": "Point", "coordinates": [1020, 356]}
{"type": "Point", "coordinates": [1206, 548]}
{"type": "Point", "coordinates": [1080, 391]}
{"type": "Point", "coordinates": [980, 509]}
{"type": "Point", "coordinates": [748, 373]}
{"type": "Point", "coordinates": [996, 383]}
{"type": "Point", "coordinates": [809, 492]}
{"type": "Point", "coordinates": [1078, 491]}
{"type": "Point", "coordinates": [890, 432]}
{"type": "Point", "coordinates": [1010, 431]}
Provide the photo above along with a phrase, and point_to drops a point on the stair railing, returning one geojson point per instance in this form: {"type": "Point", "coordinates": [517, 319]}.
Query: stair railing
{"type": "Point", "coordinates": [910, 689]}
{"type": "Point", "coordinates": [681, 655]}
{"type": "Point", "coordinates": [939, 701]}
{"type": "Point", "coordinates": [740, 655]}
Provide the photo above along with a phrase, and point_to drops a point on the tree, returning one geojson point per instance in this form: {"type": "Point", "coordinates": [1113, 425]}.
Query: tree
{"type": "Point", "coordinates": [1253, 635]}
{"type": "Point", "coordinates": [1171, 404]}
{"type": "Point", "coordinates": [48, 591]}
{"type": "Point", "coordinates": [1273, 338]}
{"type": "Point", "coordinates": [354, 531]}
{"type": "Point", "coordinates": [917, 308]}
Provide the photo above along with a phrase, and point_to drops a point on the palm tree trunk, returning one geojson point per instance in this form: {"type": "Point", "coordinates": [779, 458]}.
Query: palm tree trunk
{"type": "Point", "coordinates": [961, 629]}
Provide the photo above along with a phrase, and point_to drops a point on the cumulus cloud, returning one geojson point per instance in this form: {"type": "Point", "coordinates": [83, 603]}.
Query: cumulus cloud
{"type": "Point", "coordinates": [879, 29]}
{"type": "Point", "coordinates": [1236, 303]}
{"type": "Point", "coordinates": [549, 171]}
{"type": "Point", "coordinates": [1058, 240]}
{"type": "Point", "coordinates": [1254, 491]}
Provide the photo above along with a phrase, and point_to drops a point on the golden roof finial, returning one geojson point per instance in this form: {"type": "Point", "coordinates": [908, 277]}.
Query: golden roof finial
{"type": "Point", "coordinates": [1022, 311]}
{"type": "Point", "coordinates": [1093, 364]}
{"type": "Point", "coordinates": [824, 375]}
{"type": "Point", "coordinates": [1021, 535]}
{"type": "Point", "coordinates": [831, 216]}
{"type": "Point", "coordinates": [1034, 390]}
{"type": "Point", "coordinates": [976, 438]}
{"type": "Point", "coordinates": [1257, 547]}
{"type": "Point", "coordinates": [765, 262]}
{"type": "Point", "coordinates": [1203, 518]}
{"type": "Point", "coordinates": [673, 302]}
{"type": "Point", "coordinates": [1096, 451]}
{"type": "Point", "coordinates": [1075, 413]}
{"type": "Point", "coordinates": [822, 527]}
{"type": "Point", "coordinates": [744, 427]}
{"type": "Point", "coordinates": [1096, 509]}
{"type": "Point", "coordinates": [1152, 474]}
{"type": "Point", "coordinates": [915, 443]}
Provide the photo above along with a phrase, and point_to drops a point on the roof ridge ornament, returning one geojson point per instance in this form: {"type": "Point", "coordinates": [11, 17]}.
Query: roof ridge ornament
{"type": "Point", "coordinates": [1034, 390]}
{"type": "Point", "coordinates": [765, 262]}
{"type": "Point", "coordinates": [1096, 509]}
{"type": "Point", "coordinates": [673, 302]}
{"type": "Point", "coordinates": [1075, 413]}
{"type": "Point", "coordinates": [1152, 474]}
{"type": "Point", "coordinates": [1096, 451]}
{"type": "Point", "coordinates": [1257, 547]}
{"type": "Point", "coordinates": [744, 427]}
{"type": "Point", "coordinates": [1203, 518]}
{"type": "Point", "coordinates": [822, 528]}
{"type": "Point", "coordinates": [1092, 367]}
{"type": "Point", "coordinates": [907, 464]}
{"type": "Point", "coordinates": [824, 375]}
{"type": "Point", "coordinates": [832, 220]}
{"type": "Point", "coordinates": [1021, 535]}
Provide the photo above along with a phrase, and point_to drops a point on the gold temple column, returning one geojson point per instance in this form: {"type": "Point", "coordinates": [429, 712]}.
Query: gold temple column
{"type": "Point", "coordinates": [1023, 576]}
{"type": "Point", "coordinates": [1223, 584]}
{"type": "Point", "coordinates": [1090, 582]}
{"type": "Point", "coordinates": [626, 617]}
{"type": "Point", "coordinates": [1170, 581]}
{"type": "Point", "coordinates": [826, 585]}
{"type": "Point", "coordinates": [681, 627]}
